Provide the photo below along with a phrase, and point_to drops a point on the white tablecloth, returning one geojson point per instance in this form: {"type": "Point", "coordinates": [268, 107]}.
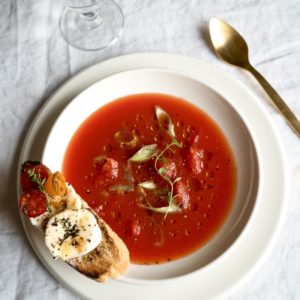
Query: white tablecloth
{"type": "Point", "coordinates": [35, 61]}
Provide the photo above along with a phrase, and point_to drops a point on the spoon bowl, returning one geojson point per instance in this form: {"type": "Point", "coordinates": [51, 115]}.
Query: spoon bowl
{"type": "Point", "coordinates": [232, 48]}
{"type": "Point", "coordinates": [228, 43]}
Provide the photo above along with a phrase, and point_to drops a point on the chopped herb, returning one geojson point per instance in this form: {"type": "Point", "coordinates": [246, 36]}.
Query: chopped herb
{"type": "Point", "coordinates": [55, 222]}
{"type": "Point", "coordinates": [164, 121]}
{"type": "Point", "coordinates": [149, 151]}
{"type": "Point", "coordinates": [148, 185]}
{"type": "Point", "coordinates": [171, 208]}
{"type": "Point", "coordinates": [37, 179]}
{"type": "Point", "coordinates": [145, 153]}
{"type": "Point", "coordinates": [121, 188]}
{"type": "Point", "coordinates": [70, 230]}
{"type": "Point", "coordinates": [126, 138]}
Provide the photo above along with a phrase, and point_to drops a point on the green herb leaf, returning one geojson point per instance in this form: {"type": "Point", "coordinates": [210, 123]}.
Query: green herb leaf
{"type": "Point", "coordinates": [164, 121]}
{"type": "Point", "coordinates": [176, 179]}
{"type": "Point", "coordinates": [37, 179]}
{"type": "Point", "coordinates": [145, 153]}
{"type": "Point", "coordinates": [162, 171]}
{"type": "Point", "coordinates": [148, 185]}
{"type": "Point", "coordinates": [176, 143]}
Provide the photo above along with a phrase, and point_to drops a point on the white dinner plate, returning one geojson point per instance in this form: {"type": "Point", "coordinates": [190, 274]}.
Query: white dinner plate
{"type": "Point", "coordinates": [221, 278]}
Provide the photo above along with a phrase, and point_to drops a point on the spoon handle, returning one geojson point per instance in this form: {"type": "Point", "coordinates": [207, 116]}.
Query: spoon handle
{"type": "Point", "coordinates": [277, 100]}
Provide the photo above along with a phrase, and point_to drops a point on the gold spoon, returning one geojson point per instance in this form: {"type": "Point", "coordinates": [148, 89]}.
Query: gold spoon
{"type": "Point", "coordinates": [232, 48]}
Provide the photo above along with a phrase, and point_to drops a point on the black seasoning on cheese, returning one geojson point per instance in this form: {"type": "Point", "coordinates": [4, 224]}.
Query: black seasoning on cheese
{"type": "Point", "coordinates": [70, 230]}
{"type": "Point", "coordinates": [55, 222]}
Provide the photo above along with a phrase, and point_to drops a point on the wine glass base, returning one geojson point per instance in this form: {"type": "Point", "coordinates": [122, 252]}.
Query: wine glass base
{"type": "Point", "coordinates": [86, 33]}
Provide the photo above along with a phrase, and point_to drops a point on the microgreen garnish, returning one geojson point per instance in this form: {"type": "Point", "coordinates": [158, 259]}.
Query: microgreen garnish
{"type": "Point", "coordinates": [148, 152]}
{"type": "Point", "coordinates": [171, 208]}
{"type": "Point", "coordinates": [162, 171]}
{"type": "Point", "coordinates": [37, 179]}
{"type": "Point", "coordinates": [160, 155]}
{"type": "Point", "coordinates": [145, 153]}
{"type": "Point", "coordinates": [171, 198]}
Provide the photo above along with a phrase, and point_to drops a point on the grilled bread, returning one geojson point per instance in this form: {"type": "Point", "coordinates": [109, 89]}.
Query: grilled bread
{"type": "Point", "coordinates": [109, 259]}
{"type": "Point", "coordinates": [73, 231]}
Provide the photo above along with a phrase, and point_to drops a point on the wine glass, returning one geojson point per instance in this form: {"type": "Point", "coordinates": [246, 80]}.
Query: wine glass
{"type": "Point", "coordinates": [91, 24]}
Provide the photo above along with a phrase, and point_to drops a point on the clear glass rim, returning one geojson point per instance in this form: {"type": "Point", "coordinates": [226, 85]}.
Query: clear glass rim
{"type": "Point", "coordinates": [74, 7]}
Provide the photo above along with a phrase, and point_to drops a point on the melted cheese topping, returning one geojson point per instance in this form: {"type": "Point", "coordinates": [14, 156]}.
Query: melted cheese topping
{"type": "Point", "coordinates": [72, 233]}
{"type": "Point", "coordinates": [40, 221]}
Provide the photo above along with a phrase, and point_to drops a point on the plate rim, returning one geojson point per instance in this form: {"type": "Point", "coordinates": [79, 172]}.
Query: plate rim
{"type": "Point", "coordinates": [158, 59]}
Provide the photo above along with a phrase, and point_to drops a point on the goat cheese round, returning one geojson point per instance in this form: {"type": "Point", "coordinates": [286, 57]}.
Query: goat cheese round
{"type": "Point", "coordinates": [72, 233]}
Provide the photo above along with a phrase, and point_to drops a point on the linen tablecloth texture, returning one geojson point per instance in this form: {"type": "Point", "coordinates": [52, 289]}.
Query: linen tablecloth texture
{"type": "Point", "coordinates": [35, 61]}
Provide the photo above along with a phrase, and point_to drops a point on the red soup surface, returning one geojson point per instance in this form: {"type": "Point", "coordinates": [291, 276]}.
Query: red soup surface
{"type": "Point", "coordinates": [158, 170]}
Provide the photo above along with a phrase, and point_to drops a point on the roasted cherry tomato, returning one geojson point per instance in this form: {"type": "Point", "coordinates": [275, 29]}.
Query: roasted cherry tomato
{"type": "Point", "coordinates": [56, 184]}
{"type": "Point", "coordinates": [33, 174]}
{"type": "Point", "coordinates": [33, 203]}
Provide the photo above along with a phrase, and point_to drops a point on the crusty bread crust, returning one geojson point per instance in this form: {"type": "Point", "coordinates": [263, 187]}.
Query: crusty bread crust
{"type": "Point", "coordinates": [109, 259]}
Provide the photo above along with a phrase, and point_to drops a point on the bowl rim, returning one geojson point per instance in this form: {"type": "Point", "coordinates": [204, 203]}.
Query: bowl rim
{"type": "Point", "coordinates": [252, 136]}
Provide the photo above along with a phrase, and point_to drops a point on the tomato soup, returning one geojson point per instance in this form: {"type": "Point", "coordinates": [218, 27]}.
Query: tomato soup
{"type": "Point", "coordinates": [158, 170]}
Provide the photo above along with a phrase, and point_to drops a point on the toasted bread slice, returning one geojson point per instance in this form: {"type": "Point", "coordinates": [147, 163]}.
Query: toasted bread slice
{"type": "Point", "coordinates": [109, 260]}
